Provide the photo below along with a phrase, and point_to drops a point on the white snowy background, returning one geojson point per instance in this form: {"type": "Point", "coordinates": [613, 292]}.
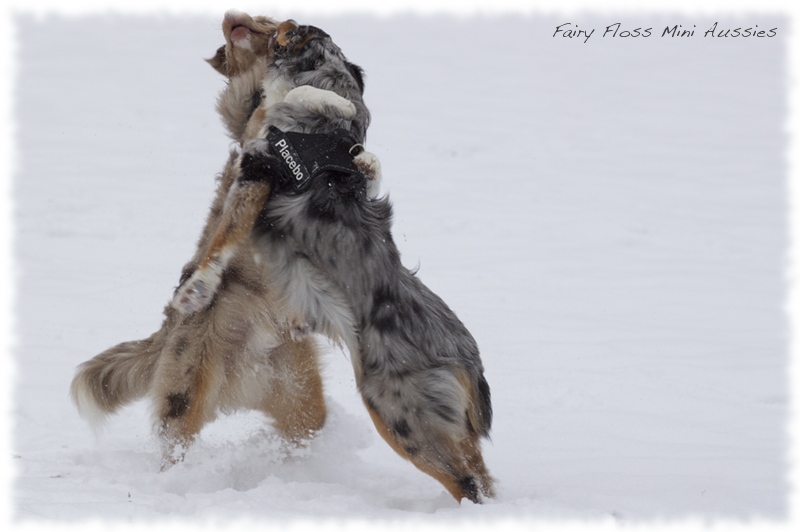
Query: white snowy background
{"type": "Point", "coordinates": [610, 220]}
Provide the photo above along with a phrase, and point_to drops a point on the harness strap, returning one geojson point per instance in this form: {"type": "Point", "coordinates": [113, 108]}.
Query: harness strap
{"type": "Point", "coordinates": [305, 155]}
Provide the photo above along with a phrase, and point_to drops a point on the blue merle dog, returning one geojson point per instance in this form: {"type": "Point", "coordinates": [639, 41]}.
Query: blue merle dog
{"type": "Point", "coordinates": [327, 242]}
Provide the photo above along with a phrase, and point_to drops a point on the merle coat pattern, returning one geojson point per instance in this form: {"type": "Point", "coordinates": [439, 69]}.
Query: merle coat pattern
{"type": "Point", "coordinates": [333, 259]}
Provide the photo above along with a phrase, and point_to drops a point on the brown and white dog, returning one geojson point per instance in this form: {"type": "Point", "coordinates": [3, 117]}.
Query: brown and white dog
{"type": "Point", "coordinates": [236, 353]}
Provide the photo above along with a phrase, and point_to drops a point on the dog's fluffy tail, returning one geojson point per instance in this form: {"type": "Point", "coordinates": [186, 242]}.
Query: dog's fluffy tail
{"type": "Point", "coordinates": [114, 378]}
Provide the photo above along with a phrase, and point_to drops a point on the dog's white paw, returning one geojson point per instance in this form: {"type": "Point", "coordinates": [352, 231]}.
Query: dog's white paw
{"type": "Point", "coordinates": [197, 292]}
{"type": "Point", "coordinates": [368, 163]}
{"type": "Point", "coordinates": [317, 99]}
{"type": "Point", "coordinates": [371, 166]}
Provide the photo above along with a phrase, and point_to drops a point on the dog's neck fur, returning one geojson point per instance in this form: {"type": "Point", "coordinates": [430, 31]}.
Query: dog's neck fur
{"type": "Point", "coordinates": [235, 102]}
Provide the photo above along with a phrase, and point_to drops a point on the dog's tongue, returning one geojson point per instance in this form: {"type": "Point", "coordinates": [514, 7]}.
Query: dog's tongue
{"type": "Point", "coordinates": [239, 33]}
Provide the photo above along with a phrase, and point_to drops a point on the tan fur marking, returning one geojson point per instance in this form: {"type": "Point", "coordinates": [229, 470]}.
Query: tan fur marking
{"type": "Point", "coordinates": [237, 221]}
{"type": "Point", "coordinates": [471, 446]}
{"type": "Point", "coordinates": [472, 409]}
{"type": "Point", "coordinates": [446, 480]}
{"type": "Point", "coordinates": [255, 123]}
{"type": "Point", "coordinates": [471, 450]}
{"type": "Point", "coordinates": [284, 28]}
{"type": "Point", "coordinates": [297, 405]}
{"type": "Point", "coordinates": [195, 416]}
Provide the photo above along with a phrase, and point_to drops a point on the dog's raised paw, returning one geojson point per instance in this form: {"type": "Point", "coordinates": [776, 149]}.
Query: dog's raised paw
{"type": "Point", "coordinates": [197, 292]}
{"type": "Point", "coordinates": [370, 166]}
{"type": "Point", "coordinates": [318, 99]}
{"type": "Point", "coordinates": [368, 163]}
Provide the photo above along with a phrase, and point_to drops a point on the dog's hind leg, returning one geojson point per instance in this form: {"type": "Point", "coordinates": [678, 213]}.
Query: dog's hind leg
{"type": "Point", "coordinates": [185, 394]}
{"type": "Point", "coordinates": [471, 450]}
{"type": "Point", "coordinates": [295, 400]}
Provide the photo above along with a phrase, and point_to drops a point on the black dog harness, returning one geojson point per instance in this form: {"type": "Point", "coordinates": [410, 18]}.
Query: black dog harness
{"type": "Point", "coordinates": [305, 155]}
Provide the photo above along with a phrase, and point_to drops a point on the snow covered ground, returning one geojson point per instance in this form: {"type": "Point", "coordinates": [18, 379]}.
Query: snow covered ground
{"type": "Point", "coordinates": [609, 218]}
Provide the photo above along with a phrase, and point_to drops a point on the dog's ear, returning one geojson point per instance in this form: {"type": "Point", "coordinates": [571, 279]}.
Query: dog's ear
{"type": "Point", "coordinates": [220, 62]}
{"type": "Point", "coordinates": [283, 31]}
{"type": "Point", "coordinates": [357, 73]}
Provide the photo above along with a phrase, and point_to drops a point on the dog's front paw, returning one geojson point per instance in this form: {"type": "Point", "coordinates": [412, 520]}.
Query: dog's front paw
{"type": "Point", "coordinates": [370, 166]}
{"type": "Point", "coordinates": [197, 292]}
{"type": "Point", "coordinates": [319, 99]}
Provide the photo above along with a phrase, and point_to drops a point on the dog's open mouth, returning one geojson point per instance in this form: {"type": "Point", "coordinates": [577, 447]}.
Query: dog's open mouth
{"type": "Point", "coordinates": [239, 32]}
{"type": "Point", "coordinates": [239, 27]}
